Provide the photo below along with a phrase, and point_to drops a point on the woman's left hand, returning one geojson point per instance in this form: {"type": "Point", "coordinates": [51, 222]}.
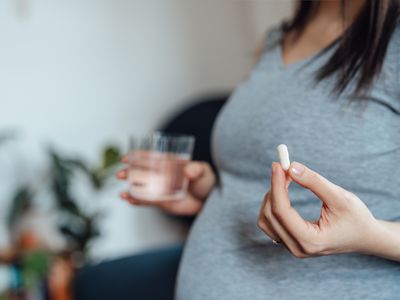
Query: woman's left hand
{"type": "Point", "coordinates": [345, 224]}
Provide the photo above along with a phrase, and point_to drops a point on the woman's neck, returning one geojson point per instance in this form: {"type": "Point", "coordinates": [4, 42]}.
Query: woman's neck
{"type": "Point", "coordinates": [327, 24]}
{"type": "Point", "coordinates": [338, 11]}
{"type": "Point", "coordinates": [335, 16]}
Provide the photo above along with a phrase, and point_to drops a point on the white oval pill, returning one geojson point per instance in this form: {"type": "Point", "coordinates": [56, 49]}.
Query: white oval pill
{"type": "Point", "coordinates": [283, 155]}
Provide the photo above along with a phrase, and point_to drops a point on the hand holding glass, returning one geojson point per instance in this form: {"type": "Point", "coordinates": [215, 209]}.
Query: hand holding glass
{"type": "Point", "coordinates": [156, 167]}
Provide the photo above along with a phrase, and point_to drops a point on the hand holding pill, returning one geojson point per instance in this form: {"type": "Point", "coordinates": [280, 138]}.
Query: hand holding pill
{"type": "Point", "coordinates": [345, 224]}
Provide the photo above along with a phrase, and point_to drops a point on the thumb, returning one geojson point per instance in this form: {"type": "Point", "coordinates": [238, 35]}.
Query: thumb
{"type": "Point", "coordinates": [194, 170]}
{"type": "Point", "coordinates": [201, 177]}
{"type": "Point", "coordinates": [328, 192]}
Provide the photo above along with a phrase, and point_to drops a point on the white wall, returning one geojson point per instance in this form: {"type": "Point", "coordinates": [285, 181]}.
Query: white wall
{"type": "Point", "coordinates": [79, 73]}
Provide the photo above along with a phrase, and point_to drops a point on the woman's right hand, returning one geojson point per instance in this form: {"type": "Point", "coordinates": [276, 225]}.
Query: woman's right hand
{"type": "Point", "coordinates": [201, 182]}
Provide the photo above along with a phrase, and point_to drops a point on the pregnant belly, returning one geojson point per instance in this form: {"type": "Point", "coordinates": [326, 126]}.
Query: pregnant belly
{"type": "Point", "coordinates": [227, 257]}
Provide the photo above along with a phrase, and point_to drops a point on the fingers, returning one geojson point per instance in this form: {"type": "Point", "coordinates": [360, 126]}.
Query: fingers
{"type": "Point", "coordinates": [288, 182]}
{"type": "Point", "coordinates": [303, 238]}
{"type": "Point", "coordinates": [185, 207]}
{"type": "Point", "coordinates": [194, 170]}
{"type": "Point", "coordinates": [190, 206]}
{"type": "Point", "coordinates": [285, 220]}
{"type": "Point", "coordinates": [291, 244]}
{"type": "Point", "coordinates": [264, 224]}
{"type": "Point", "coordinates": [122, 174]}
{"type": "Point", "coordinates": [125, 196]}
{"type": "Point", "coordinates": [125, 159]}
{"type": "Point", "coordinates": [325, 190]}
{"type": "Point", "coordinates": [202, 179]}
{"type": "Point", "coordinates": [279, 186]}
{"type": "Point", "coordinates": [282, 209]}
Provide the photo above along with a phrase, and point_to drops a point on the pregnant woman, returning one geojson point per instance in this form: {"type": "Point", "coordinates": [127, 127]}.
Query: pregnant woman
{"type": "Point", "coordinates": [327, 84]}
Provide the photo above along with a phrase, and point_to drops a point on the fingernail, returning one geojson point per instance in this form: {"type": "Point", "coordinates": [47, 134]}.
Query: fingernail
{"type": "Point", "coordinates": [273, 168]}
{"type": "Point", "coordinates": [297, 169]}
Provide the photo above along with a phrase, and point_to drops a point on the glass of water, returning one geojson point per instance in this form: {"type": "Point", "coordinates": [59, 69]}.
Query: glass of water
{"type": "Point", "coordinates": [156, 166]}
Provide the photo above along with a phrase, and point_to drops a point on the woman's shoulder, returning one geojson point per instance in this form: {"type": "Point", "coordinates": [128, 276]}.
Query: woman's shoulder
{"type": "Point", "coordinates": [273, 36]}
{"type": "Point", "coordinates": [271, 39]}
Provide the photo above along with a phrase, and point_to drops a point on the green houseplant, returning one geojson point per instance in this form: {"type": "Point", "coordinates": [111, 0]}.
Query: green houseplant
{"type": "Point", "coordinates": [78, 226]}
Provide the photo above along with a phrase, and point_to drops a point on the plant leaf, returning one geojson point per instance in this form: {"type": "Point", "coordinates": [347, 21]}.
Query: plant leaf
{"type": "Point", "coordinates": [111, 156]}
{"type": "Point", "coordinates": [21, 201]}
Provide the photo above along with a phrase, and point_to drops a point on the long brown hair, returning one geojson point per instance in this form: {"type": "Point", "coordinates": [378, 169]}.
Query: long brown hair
{"type": "Point", "coordinates": [361, 50]}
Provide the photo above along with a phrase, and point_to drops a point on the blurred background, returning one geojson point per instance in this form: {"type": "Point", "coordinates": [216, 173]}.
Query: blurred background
{"type": "Point", "coordinates": [77, 78]}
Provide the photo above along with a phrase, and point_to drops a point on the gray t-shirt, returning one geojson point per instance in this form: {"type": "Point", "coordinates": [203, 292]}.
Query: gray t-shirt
{"type": "Point", "coordinates": [355, 146]}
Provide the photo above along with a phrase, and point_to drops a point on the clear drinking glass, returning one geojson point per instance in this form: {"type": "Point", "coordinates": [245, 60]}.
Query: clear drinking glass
{"type": "Point", "coordinates": [156, 167]}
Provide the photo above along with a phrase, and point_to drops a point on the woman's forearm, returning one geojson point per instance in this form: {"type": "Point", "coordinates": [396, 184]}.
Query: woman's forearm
{"type": "Point", "coordinates": [387, 240]}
